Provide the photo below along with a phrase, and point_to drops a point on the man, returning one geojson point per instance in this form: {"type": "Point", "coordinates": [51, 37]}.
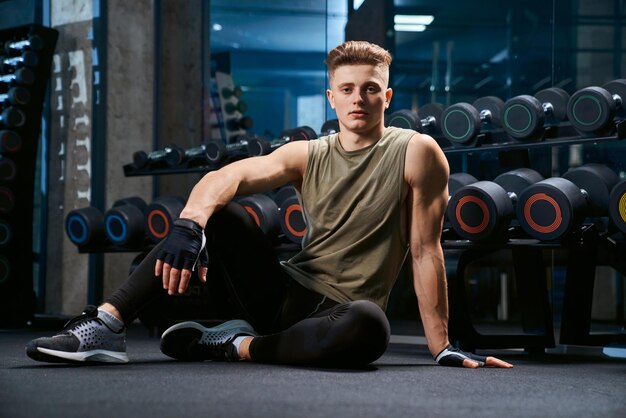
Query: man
{"type": "Point", "coordinates": [371, 196]}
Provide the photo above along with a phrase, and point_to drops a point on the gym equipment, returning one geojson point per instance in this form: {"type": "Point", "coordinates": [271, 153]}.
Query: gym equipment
{"type": "Point", "coordinates": [23, 76]}
{"type": "Point", "coordinates": [124, 223]}
{"type": "Point", "coordinates": [617, 206]}
{"type": "Point", "coordinates": [169, 156]}
{"type": "Point", "coordinates": [551, 209]}
{"type": "Point", "coordinates": [525, 117]}
{"type": "Point", "coordinates": [331, 126]}
{"type": "Point", "coordinates": [85, 226]}
{"type": "Point", "coordinates": [291, 216]}
{"type": "Point", "coordinates": [27, 59]}
{"type": "Point", "coordinates": [16, 95]}
{"type": "Point", "coordinates": [7, 200]}
{"type": "Point", "coordinates": [260, 146]}
{"type": "Point", "coordinates": [12, 117]}
{"type": "Point", "coordinates": [263, 211]}
{"type": "Point", "coordinates": [240, 106]}
{"type": "Point", "coordinates": [33, 42]}
{"type": "Point", "coordinates": [5, 233]}
{"type": "Point", "coordinates": [458, 180]}
{"type": "Point", "coordinates": [462, 122]}
{"type": "Point", "coordinates": [8, 169]}
{"type": "Point", "coordinates": [227, 93]}
{"type": "Point", "coordinates": [426, 120]}
{"type": "Point", "coordinates": [243, 123]}
{"type": "Point", "coordinates": [483, 210]}
{"type": "Point", "coordinates": [593, 109]}
{"type": "Point", "coordinates": [160, 215]}
{"type": "Point", "coordinates": [10, 141]}
{"type": "Point", "coordinates": [217, 151]}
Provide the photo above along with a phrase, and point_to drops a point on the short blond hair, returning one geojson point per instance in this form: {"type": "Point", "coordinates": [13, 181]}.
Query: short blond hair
{"type": "Point", "coordinates": [357, 53]}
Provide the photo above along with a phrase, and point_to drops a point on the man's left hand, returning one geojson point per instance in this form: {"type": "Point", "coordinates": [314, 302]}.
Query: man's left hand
{"type": "Point", "coordinates": [454, 357]}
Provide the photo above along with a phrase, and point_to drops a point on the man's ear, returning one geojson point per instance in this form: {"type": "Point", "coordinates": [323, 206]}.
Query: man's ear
{"type": "Point", "coordinates": [388, 95]}
{"type": "Point", "coordinates": [331, 99]}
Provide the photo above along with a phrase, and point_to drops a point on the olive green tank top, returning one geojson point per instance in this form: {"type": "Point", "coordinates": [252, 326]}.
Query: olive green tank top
{"type": "Point", "coordinates": [353, 204]}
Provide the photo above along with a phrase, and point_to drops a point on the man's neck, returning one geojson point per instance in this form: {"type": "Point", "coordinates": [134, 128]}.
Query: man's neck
{"type": "Point", "coordinates": [353, 141]}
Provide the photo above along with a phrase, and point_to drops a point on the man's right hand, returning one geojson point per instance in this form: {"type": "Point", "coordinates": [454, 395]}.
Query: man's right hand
{"type": "Point", "coordinates": [180, 253]}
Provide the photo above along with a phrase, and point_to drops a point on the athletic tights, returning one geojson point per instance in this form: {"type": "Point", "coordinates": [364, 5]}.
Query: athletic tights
{"type": "Point", "coordinates": [296, 325]}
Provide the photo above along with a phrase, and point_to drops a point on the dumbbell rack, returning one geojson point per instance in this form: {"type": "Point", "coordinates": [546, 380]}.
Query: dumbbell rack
{"type": "Point", "coordinates": [17, 300]}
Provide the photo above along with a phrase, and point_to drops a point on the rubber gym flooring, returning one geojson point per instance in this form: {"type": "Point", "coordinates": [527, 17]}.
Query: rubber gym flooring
{"type": "Point", "coordinates": [405, 382]}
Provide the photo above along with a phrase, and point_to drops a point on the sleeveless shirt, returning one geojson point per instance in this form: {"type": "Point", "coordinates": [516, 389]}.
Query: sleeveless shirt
{"type": "Point", "coordinates": [354, 207]}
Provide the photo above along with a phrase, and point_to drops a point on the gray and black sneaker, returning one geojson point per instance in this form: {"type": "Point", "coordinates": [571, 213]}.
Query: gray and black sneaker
{"type": "Point", "coordinates": [190, 341]}
{"type": "Point", "coordinates": [95, 336]}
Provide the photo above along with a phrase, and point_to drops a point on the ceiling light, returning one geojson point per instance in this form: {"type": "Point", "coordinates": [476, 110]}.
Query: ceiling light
{"type": "Point", "coordinates": [413, 19]}
{"type": "Point", "coordinates": [409, 28]}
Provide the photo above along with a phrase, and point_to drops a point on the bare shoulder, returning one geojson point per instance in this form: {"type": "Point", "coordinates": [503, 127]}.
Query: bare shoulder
{"type": "Point", "coordinates": [424, 159]}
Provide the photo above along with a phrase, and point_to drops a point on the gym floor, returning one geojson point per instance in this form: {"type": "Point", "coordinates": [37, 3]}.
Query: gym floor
{"type": "Point", "coordinates": [404, 382]}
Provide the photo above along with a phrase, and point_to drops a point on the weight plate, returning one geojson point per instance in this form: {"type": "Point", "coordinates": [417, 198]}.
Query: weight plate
{"type": "Point", "coordinates": [558, 99]}
{"type": "Point", "coordinates": [515, 181]}
{"type": "Point", "coordinates": [460, 123]}
{"type": "Point", "coordinates": [10, 141]}
{"type": "Point", "coordinates": [597, 180]}
{"type": "Point", "coordinates": [330, 127]}
{"type": "Point", "coordinates": [304, 133]}
{"type": "Point", "coordinates": [523, 118]}
{"type": "Point", "coordinates": [5, 233]}
{"type": "Point", "coordinates": [283, 194]}
{"type": "Point", "coordinates": [618, 87]}
{"type": "Point", "coordinates": [405, 119]}
{"type": "Point", "coordinates": [8, 169]}
{"type": "Point", "coordinates": [216, 151]}
{"type": "Point", "coordinates": [550, 209]}
{"type": "Point", "coordinates": [434, 110]}
{"type": "Point", "coordinates": [458, 180]}
{"type": "Point", "coordinates": [263, 211]}
{"type": "Point", "coordinates": [85, 226]}
{"type": "Point", "coordinates": [591, 109]}
{"type": "Point", "coordinates": [160, 214]}
{"type": "Point", "coordinates": [292, 220]}
{"type": "Point", "coordinates": [124, 225]}
{"type": "Point", "coordinates": [495, 106]}
{"type": "Point", "coordinates": [617, 206]}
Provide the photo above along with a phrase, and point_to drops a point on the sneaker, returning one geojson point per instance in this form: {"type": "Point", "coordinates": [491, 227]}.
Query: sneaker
{"type": "Point", "coordinates": [190, 341]}
{"type": "Point", "coordinates": [86, 338]}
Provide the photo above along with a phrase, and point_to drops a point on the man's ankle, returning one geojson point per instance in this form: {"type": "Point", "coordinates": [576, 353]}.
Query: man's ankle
{"type": "Point", "coordinates": [112, 310]}
{"type": "Point", "coordinates": [243, 348]}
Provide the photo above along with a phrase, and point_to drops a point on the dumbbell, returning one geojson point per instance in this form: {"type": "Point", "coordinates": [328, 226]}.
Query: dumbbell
{"type": "Point", "coordinates": [331, 126]}
{"type": "Point", "coordinates": [551, 209]}
{"type": "Point", "coordinates": [124, 223]}
{"type": "Point", "coordinates": [227, 93]}
{"type": "Point", "coordinates": [23, 76]}
{"type": "Point", "coordinates": [8, 169]}
{"type": "Point", "coordinates": [242, 123]}
{"type": "Point", "coordinates": [458, 180]}
{"type": "Point", "coordinates": [7, 200]}
{"type": "Point", "coordinates": [6, 233]}
{"type": "Point", "coordinates": [593, 109]}
{"type": "Point", "coordinates": [16, 95]}
{"type": "Point", "coordinates": [240, 107]}
{"type": "Point", "coordinates": [291, 217]}
{"type": "Point", "coordinates": [27, 59]}
{"type": "Point", "coordinates": [85, 226]}
{"type": "Point", "coordinates": [33, 42]}
{"type": "Point", "coordinates": [426, 120]}
{"type": "Point", "coordinates": [483, 210]}
{"type": "Point", "coordinates": [12, 117]}
{"type": "Point", "coordinates": [462, 122]}
{"type": "Point", "coordinates": [617, 206]}
{"type": "Point", "coordinates": [260, 146]}
{"type": "Point", "coordinates": [524, 117]}
{"type": "Point", "coordinates": [10, 141]}
{"type": "Point", "coordinates": [160, 215]}
{"type": "Point", "coordinates": [217, 151]}
{"type": "Point", "coordinates": [170, 156]}
{"type": "Point", "coordinates": [263, 211]}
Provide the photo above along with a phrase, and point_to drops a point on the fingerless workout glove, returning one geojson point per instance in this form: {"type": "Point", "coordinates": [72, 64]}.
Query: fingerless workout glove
{"type": "Point", "coordinates": [184, 246]}
{"type": "Point", "coordinates": [453, 357]}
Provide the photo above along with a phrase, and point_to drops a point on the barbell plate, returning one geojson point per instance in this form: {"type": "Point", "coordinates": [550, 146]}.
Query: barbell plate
{"type": "Point", "coordinates": [523, 118]}
{"type": "Point", "coordinates": [460, 123]}
{"type": "Point", "coordinates": [591, 109]}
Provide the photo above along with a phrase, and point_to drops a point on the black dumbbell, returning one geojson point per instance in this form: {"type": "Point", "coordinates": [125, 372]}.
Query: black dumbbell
{"type": "Point", "coordinates": [292, 222]}
{"type": "Point", "coordinates": [331, 126]}
{"type": "Point", "coordinates": [12, 117]}
{"type": "Point", "coordinates": [124, 223]}
{"type": "Point", "coordinates": [8, 169]}
{"type": "Point", "coordinates": [427, 120]}
{"type": "Point", "coordinates": [240, 107]}
{"type": "Point", "coordinates": [10, 141]}
{"type": "Point", "coordinates": [6, 233]}
{"type": "Point", "coordinates": [483, 210]}
{"type": "Point", "coordinates": [24, 76]}
{"type": "Point", "coordinates": [227, 93]}
{"type": "Point", "coordinates": [16, 95]}
{"type": "Point", "coordinates": [261, 146]}
{"type": "Point", "coordinates": [462, 122]}
{"type": "Point", "coordinates": [217, 151]}
{"type": "Point", "coordinates": [551, 209]}
{"type": "Point", "coordinates": [27, 59]}
{"type": "Point", "coordinates": [525, 117]}
{"type": "Point", "coordinates": [33, 42]}
{"type": "Point", "coordinates": [264, 211]}
{"type": "Point", "coordinates": [458, 180]}
{"type": "Point", "coordinates": [85, 226]}
{"type": "Point", "coordinates": [594, 109]}
{"type": "Point", "coordinates": [169, 156]}
{"type": "Point", "coordinates": [617, 206]}
{"type": "Point", "coordinates": [242, 123]}
{"type": "Point", "coordinates": [160, 215]}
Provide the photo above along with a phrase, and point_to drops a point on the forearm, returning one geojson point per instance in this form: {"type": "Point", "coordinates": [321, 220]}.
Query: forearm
{"type": "Point", "coordinates": [429, 281]}
{"type": "Point", "coordinates": [210, 194]}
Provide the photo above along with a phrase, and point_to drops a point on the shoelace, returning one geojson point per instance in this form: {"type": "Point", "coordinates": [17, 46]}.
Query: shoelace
{"type": "Point", "coordinates": [90, 312]}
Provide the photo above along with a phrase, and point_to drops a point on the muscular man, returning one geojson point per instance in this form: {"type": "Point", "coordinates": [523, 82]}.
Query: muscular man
{"type": "Point", "coordinates": [371, 196]}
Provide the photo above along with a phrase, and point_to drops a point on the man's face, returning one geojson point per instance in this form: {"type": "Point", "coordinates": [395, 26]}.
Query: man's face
{"type": "Point", "coordinates": [359, 95]}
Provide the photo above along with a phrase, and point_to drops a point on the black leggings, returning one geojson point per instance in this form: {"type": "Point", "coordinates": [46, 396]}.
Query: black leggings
{"type": "Point", "coordinates": [298, 326]}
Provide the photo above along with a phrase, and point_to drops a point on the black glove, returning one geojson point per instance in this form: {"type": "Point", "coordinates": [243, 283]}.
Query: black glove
{"type": "Point", "coordinates": [184, 246]}
{"type": "Point", "coordinates": [454, 357]}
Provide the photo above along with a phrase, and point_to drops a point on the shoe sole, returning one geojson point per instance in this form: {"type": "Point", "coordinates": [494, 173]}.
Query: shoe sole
{"type": "Point", "coordinates": [189, 331]}
{"type": "Point", "coordinates": [92, 356]}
